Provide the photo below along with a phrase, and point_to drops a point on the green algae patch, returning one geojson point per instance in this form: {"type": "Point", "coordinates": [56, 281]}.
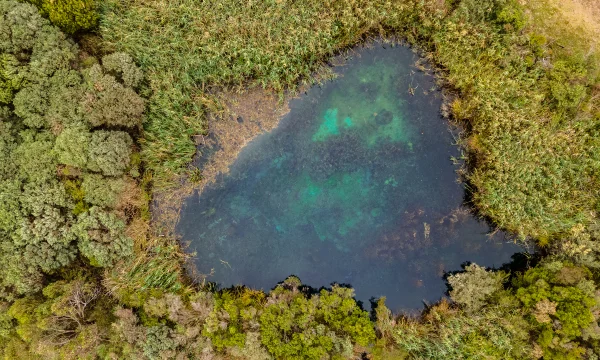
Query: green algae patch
{"type": "Point", "coordinates": [367, 106]}
{"type": "Point", "coordinates": [336, 202]}
{"type": "Point", "coordinates": [329, 127]}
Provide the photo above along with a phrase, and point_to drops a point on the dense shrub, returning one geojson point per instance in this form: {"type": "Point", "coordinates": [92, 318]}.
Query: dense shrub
{"type": "Point", "coordinates": [473, 287]}
{"type": "Point", "coordinates": [102, 191]}
{"type": "Point", "coordinates": [496, 332]}
{"type": "Point", "coordinates": [109, 152]}
{"type": "Point", "coordinates": [108, 102]}
{"type": "Point", "coordinates": [47, 216]}
{"type": "Point", "coordinates": [559, 299]}
{"type": "Point", "coordinates": [70, 15]}
{"type": "Point", "coordinates": [294, 326]}
{"type": "Point", "coordinates": [101, 237]}
{"type": "Point", "coordinates": [71, 146]}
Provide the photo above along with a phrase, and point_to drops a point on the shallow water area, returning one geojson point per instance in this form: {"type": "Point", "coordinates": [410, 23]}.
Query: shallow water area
{"type": "Point", "coordinates": [356, 185]}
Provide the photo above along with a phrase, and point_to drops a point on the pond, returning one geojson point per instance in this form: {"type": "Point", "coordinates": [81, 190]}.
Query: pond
{"type": "Point", "coordinates": [356, 185]}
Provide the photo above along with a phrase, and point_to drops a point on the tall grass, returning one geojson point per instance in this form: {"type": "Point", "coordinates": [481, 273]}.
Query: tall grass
{"type": "Point", "coordinates": [188, 47]}
{"type": "Point", "coordinates": [527, 90]}
{"type": "Point", "coordinates": [532, 112]}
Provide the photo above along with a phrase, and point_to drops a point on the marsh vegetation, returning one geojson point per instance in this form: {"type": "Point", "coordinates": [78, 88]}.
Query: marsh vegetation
{"type": "Point", "coordinates": [103, 104]}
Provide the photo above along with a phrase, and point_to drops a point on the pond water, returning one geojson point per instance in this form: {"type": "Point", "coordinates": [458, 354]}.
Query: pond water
{"type": "Point", "coordinates": [356, 186]}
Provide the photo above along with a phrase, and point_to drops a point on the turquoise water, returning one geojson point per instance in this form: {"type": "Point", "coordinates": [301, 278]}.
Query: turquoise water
{"type": "Point", "coordinates": [354, 186]}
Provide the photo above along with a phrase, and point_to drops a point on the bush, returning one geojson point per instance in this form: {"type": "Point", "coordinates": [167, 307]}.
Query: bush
{"type": "Point", "coordinates": [109, 152]}
{"type": "Point", "coordinates": [559, 298]}
{"type": "Point", "coordinates": [107, 102]}
{"type": "Point", "coordinates": [71, 16]}
{"type": "Point", "coordinates": [7, 146]}
{"type": "Point", "coordinates": [72, 145]}
{"type": "Point", "coordinates": [496, 332]}
{"type": "Point", "coordinates": [474, 286]}
{"type": "Point", "coordinates": [122, 67]}
{"type": "Point", "coordinates": [102, 191]}
{"type": "Point", "coordinates": [11, 77]}
{"type": "Point", "coordinates": [101, 237]}
{"type": "Point", "coordinates": [294, 326]}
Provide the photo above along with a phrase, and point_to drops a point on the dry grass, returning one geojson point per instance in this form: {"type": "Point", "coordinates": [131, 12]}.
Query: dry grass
{"type": "Point", "coordinates": [250, 114]}
{"type": "Point", "coordinates": [561, 20]}
{"type": "Point", "coordinates": [131, 198]}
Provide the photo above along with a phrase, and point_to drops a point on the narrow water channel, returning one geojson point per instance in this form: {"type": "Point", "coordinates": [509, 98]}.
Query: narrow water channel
{"type": "Point", "coordinates": [356, 185]}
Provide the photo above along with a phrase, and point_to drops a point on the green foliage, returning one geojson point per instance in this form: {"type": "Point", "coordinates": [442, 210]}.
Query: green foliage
{"type": "Point", "coordinates": [122, 67]}
{"type": "Point", "coordinates": [580, 247]}
{"type": "Point", "coordinates": [101, 237]}
{"type": "Point", "coordinates": [158, 269]}
{"type": "Point", "coordinates": [60, 322]}
{"type": "Point", "coordinates": [71, 146]}
{"type": "Point", "coordinates": [294, 326]}
{"type": "Point", "coordinates": [107, 102]}
{"type": "Point", "coordinates": [233, 314]}
{"type": "Point", "coordinates": [75, 191]}
{"type": "Point", "coordinates": [10, 206]}
{"type": "Point", "coordinates": [28, 37]}
{"type": "Point", "coordinates": [102, 191]}
{"type": "Point", "coordinates": [35, 158]}
{"type": "Point", "coordinates": [567, 84]}
{"type": "Point", "coordinates": [71, 16]}
{"type": "Point", "coordinates": [45, 145]}
{"type": "Point", "coordinates": [11, 77]}
{"type": "Point", "coordinates": [511, 14]}
{"type": "Point", "coordinates": [474, 286]}
{"type": "Point", "coordinates": [493, 333]}
{"type": "Point", "coordinates": [7, 146]}
{"type": "Point", "coordinates": [109, 152]}
{"type": "Point", "coordinates": [158, 340]}
{"type": "Point", "coordinates": [559, 299]}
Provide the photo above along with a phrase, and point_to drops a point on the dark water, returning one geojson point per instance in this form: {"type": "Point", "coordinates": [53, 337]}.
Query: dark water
{"type": "Point", "coordinates": [355, 186]}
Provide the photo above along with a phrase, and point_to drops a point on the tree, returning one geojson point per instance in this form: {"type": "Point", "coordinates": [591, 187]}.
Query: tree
{"type": "Point", "coordinates": [109, 152]}
{"type": "Point", "coordinates": [7, 146]}
{"type": "Point", "coordinates": [34, 157]}
{"type": "Point", "coordinates": [72, 145]}
{"type": "Point", "coordinates": [122, 67]}
{"type": "Point", "coordinates": [63, 321]}
{"type": "Point", "coordinates": [294, 326]}
{"type": "Point", "coordinates": [474, 286]}
{"type": "Point", "coordinates": [11, 77]}
{"type": "Point", "coordinates": [10, 206]}
{"type": "Point", "coordinates": [71, 16]}
{"type": "Point", "coordinates": [17, 277]}
{"type": "Point", "coordinates": [558, 298]}
{"type": "Point", "coordinates": [102, 191]}
{"type": "Point", "coordinates": [101, 237]}
{"type": "Point", "coordinates": [107, 102]}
